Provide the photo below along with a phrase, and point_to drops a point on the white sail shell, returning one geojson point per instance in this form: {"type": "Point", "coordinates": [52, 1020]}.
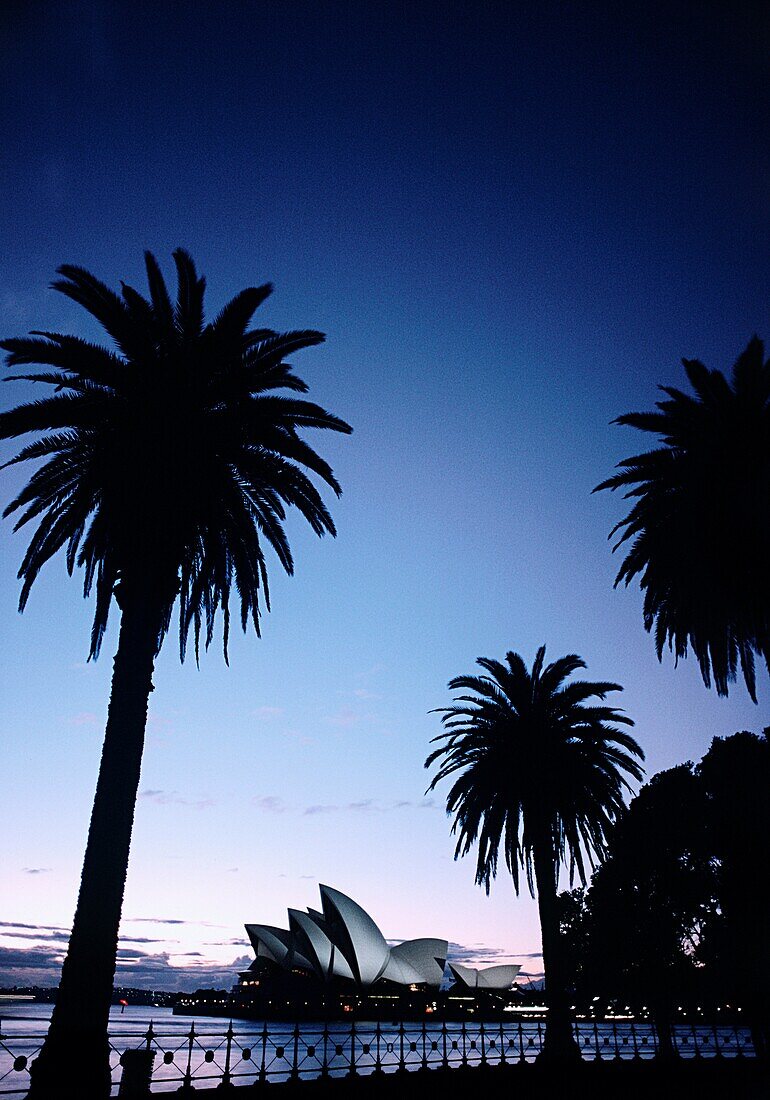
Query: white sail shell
{"type": "Point", "coordinates": [356, 934]}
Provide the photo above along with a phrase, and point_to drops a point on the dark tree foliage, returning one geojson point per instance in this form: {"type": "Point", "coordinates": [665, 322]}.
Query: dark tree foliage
{"type": "Point", "coordinates": [677, 913]}
{"type": "Point", "coordinates": [735, 775]}
{"type": "Point", "coordinates": [165, 466]}
{"type": "Point", "coordinates": [652, 899]}
{"type": "Point", "coordinates": [572, 914]}
{"type": "Point", "coordinates": [698, 534]}
{"type": "Point", "coordinates": [539, 769]}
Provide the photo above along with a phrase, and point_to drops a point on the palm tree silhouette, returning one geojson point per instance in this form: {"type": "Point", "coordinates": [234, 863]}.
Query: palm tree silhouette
{"type": "Point", "coordinates": [167, 468]}
{"type": "Point", "coordinates": [538, 771]}
{"type": "Point", "coordinates": [699, 529]}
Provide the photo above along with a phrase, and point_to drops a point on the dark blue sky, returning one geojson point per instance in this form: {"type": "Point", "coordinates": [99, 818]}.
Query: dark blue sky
{"type": "Point", "coordinates": [512, 222]}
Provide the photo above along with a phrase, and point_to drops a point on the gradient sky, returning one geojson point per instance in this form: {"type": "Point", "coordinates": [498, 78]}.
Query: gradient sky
{"type": "Point", "coordinates": [512, 221]}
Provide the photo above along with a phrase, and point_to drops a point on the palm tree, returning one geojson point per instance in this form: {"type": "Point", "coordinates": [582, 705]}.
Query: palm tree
{"type": "Point", "coordinates": [165, 468]}
{"type": "Point", "coordinates": [699, 528]}
{"type": "Point", "coordinates": [538, 770]}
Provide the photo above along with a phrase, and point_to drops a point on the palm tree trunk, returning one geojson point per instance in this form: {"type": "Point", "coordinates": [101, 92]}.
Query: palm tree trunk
{"type": "Point", "coordinates": [74, 1060]}
{"type": "Point", "coordinates": [661, 1018]}
{"type": "Point", "coordinates": [559, 1045]}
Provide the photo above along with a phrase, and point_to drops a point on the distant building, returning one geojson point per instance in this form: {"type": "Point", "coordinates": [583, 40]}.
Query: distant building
{"type": "Point", "coordinates": [491, 977]}
{"type": "Point", "coordinates": [342, 947]}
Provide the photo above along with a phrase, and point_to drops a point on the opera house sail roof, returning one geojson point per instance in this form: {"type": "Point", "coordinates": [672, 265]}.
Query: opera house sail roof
{"type": "Point", "coordinates": [342, 942]}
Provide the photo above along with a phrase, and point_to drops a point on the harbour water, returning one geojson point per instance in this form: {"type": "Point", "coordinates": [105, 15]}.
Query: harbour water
{"type": "Point", "coordinates": [205, 1050]}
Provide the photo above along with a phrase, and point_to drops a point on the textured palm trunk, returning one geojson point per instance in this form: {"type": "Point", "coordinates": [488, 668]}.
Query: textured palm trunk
{"type": "Point", "coordinates": [661, 1018]}
{"type": "Point", "coordinates": [74, 1060]}
{"type": "Point", "coordinates": [559, 1045]}
{"type": "Point", "coordinates": [746, 910]}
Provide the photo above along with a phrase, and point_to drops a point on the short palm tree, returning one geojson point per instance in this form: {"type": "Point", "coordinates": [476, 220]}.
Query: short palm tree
{"type": "Point", "coordinates": [538, 770]}
{"type": "Point", "coordinates": [698, 534]}
{"type": "Point", "coordinates": [165, 468]}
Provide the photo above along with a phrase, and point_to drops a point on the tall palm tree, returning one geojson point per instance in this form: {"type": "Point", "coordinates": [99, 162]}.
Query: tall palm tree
{"type": "Point", "coordinates": [165, 468]}
{"type": "Point", "coordinates": [538, 770]}
{"type": "Point", "coordinates": [698, 534]}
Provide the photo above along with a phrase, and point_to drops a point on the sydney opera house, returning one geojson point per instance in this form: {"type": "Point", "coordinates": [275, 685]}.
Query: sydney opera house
{"type": "Point", "coordinates": [338, 954]}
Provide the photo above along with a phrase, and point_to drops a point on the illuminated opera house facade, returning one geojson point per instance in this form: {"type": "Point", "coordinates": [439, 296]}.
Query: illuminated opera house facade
{"type": "Point", "coordinates": [337, 957]}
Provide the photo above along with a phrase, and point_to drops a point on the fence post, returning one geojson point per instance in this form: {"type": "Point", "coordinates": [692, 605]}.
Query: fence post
{"type": "Point", "coordinates": [352, 1071]}
{"type": "Point", "coordinates": [738, 1049]}
{"type": "Point", "coordinates": [502, 1044]}
{"type": "Point", "coordinates": [325, 1063]}
{"type": "Point", "coordinates": [148, 1047]}
{"type": "Point", "coordinates": [424, 1049]}
{"type": "Point", "coordinates": [378, 1061]}
{"type": "Point", "coordinates": [465, 1052]}
{"type": "Point", "coordinates": [295, 1055]}
{"type": "Point", "coordinates": [695, 1041]}
{"type": "Point", "coordinates": [401, 1065]}
{"type": "Point", "coordinates": [262, 1066]}
{"type": "Point", "coordinates": [187, 1082]}
{"type": "Point", "coordinates": [228, 1050]}
{"type": "Point", "coordinates": [483, 1043]}
{"type": "Point", "coordinates": [717, 1048]}
{"type": "Point", "coordinates": [633, 1036]}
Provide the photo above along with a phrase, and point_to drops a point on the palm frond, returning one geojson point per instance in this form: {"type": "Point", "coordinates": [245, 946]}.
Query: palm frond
{"type": "Point", "coordinates": [697, 536]}
{"type": "Point", "coordinates": [169, 466]}
{"type": "Point", "coordinates": [531, 756]}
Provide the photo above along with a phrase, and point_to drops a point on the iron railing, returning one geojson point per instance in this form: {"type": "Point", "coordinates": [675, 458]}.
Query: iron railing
{"type": "Point", "coordinates": [204, 1055]}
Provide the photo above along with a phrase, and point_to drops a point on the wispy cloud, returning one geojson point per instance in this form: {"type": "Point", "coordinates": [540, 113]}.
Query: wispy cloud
{"type": "Point", "coordinates": [481, 955]}
{"type": "Point", "coordinates": [42, 966]}
{"type": "Point", "coordinates": [173, 798]}
{"type": "Point", "coordinates": [146, 939]}
{"type": "Point", "coordinates": [371, 806]}
{"type": "Point", "coordinates": [158, 920]}
{"type": "Point", "coordinates": [30, 965]}
{"type": "Point", "coordinates": [33, 927]}
{"type": "Point", "coordinates": [9, 930]}
{"type": "Point", "coordinates": [172, 920]}
{"type": "Point", "coordinates": [36, 870]}
{"type": "Point", "coordinates": [37, 936]}
{"type": "Point", "coordinates": [273, 804]}
{"type": "Point", "coordinates": [269, 804]}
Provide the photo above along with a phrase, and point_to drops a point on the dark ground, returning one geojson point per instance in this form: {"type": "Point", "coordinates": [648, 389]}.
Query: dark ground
{"type": "Point", "coordinates": [699, 1079]}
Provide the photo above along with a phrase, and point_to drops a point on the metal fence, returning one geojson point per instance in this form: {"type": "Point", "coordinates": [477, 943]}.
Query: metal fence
{"type": "Point", "coordinates": [204, 1056]}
